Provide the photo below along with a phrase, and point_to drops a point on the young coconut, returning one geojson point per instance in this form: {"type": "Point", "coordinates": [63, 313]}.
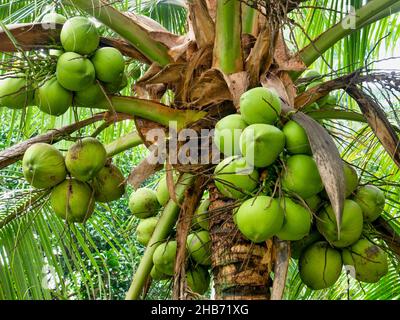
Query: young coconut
{"type": "Point", "coordinates": [260, 105]}
{"type": "Point", "coordinates": [117, 86]}
{"type": "Point", "coordinates": [320, 265]}
{"type": "Point", "coordinates": [350, 178]}
{"type": "Point", "coordinates": [74, 72]}
{"type": "Point", "coordinates": [296, 138]}
{"type": "Point", "coordinates": [261, 144]}
{"type": "Point", "coordinates": [370, 262]}
{"type": "Point", "coordinates": [79, 35]}
{"type": "Point", "coordinates": [52, 98]}
{"type": "Point", "coordinates": [297, 247]}
{"type": "Point", "coordinates": [145, 229]}
{"type": "Point", "coordinates": [43, 166]}
{"type": "Point", "coordinates": [297, 221]}
{"type": "Point", "coordinates": [86, 158]}
{"type": "Point", "coordinates": [259, 218]}
{"type": "Point", "coordinates": [109, 64]}
{"type": "Point", "coordinates": [158, 275]}
{"type": "Point", "coordinates": [15, 91]}
{"type": "Point", "coordinates": [234, 178]}
{"type": "Point", "coordinates": [301, 176]}
{"type": "Point", "coordinates": [162, 189]}
{"type": "Point", "coordinates": [164, 257]}
{"type": "Point", "coordinates": [200, 218]}
{"type": "Point", "coordinates": [371, 200]}
{"type": "Point", "coordinates": [91, 96]}
{"type": "Point", "coordinates": [199, 247]}
{"type": "Point", "coordinates": [73, 200]}
{"type": "Point", "coordinates": [143, 203]}
{"type": "Point", "coordinates": [108, 184]}
{"type": "Point", "coordinates": [351, 228]}
{"type": "Point", "coordinates": [227, 134]}
{"type": "Point", "coordinates": [313, 202]}
{"type": "Point", "coordinates": [198, 279]}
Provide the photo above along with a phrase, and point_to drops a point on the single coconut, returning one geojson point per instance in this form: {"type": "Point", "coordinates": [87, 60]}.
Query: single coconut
{"type": "Point", "coordinates": [108, 184]}
{"type": "Point", "coordinates": [74, 72]}
{"type": "Point", "coordinates": [234, 178]}
{"type": "Point", "coordinates": [320, 266]}
{"type": "Point", "coordinates": [162, 189]}
{"type": "Point", "coordinates": [350, 179]}
{"type": "Point", "coordinates": [370, 262]}
{"type": "Point", "coordinates": [199, 247]}
{"type": "Point", "coordinates": [227, 134]}
{"type": "Point", "coordinates": [200, 218]}
{"type": "Point", "coordinates": [297, 221]}
{"type": "Point", "coordinates": [260, 105]}
{"type": "Point", "coordinates": [261, 144]}
{"type": "Point", "coordinates": [86, 158]}
{"type": "Point", "coordinates": [313, 202]}
{"type": "Point", "coordinates": [52, 98]}
{"type": "Point", "coordinates": [43, 166]}
{"type": "Point", "coordinates": [296, 138]}
{"type": "Point", "coordinates": [143, 203]}
{"type": "Point", "coordinates": [79, 35]}
{"type": "Point", "coordinates": [198, 279]}
{"type": "Point", "coordinates": [301, 176]}
{"type": "Point", "coordinates": [297, 247]}
{"type": "Point", "coordinates": [91, 96]}
{"type": "Point", "coordinates": [54, 17]}
{"type": "Point", "coordinates": [158, 275]}
{"type": "Point", "coordinates": [164, 257]}
{"type": "Point", "coordinates": [117, 86]}
{"type": "Point", "coordinates": [73, 200]}
{"type": "Point", "coordinates": [15, 91]}
{"type": "Point", "coordinates": [371, 200]}
{"type": "Point", "coordinates": [109, 64]}
{"type": "Point", "coordinates": [259, 218]}
{"type": "Point", "coordinates": [351, 228]}
{"type": "Point", "coordinates": [145, 230]}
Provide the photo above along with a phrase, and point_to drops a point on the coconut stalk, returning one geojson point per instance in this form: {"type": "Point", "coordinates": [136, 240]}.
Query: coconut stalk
{"type": "Point", "coordinates": [249, 19]}
{"type": "Point", "coordinates": [131, 31]}
{"type": "Point", "coordinates": [164, 226]}
{"type": "Point", "coordinates": [123, 143]}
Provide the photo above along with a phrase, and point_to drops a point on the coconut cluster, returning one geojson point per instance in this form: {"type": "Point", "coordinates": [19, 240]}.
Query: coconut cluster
{"type": "Point", "coordinates": [85, 73]}
{"type": "Point", "coordinates": [269, 169]}
{"type": "Point", "coordinates": [145, 204]}
{"type": "Point", "coordinates": [77, 180]}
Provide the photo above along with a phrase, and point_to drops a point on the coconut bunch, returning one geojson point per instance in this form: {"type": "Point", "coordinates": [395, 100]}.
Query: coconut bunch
{"type": "Point", "coordinates": [85, 73]}
{"type": "Point", "coordinates": [269, 169]}
{"type": "Point", "coordinates": [77, 181]}
{"type": "Point", "coordinates": [145, 204]}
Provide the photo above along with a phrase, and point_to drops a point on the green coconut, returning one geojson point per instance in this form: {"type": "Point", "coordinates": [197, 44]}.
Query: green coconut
{"type": "Point", "coordinates": [261, 144]}
{"type": "Point", "coordinates": [91, 96]}
{"type": "Point", "coordinates": [52, 98]}
{"type": "Point", "coordinates": [43, 166]}
{"type": "Point", "coordinates": [109, 64]}
{"type": "Point", "coordinates": [164, 257]}
{"type": "Point", "coordinates": [227, 134]}
{"type": "Point", "coordinates": [320, 266]}
{"type": "Point", "coordinates": [297, 247]}
{"type": "Point", "coordinates": [74, 72]}
{"type": "Point", "coordinates": [143, 203]}
{"type": "Point", "coordinates": [73, 200]}
{"type": "Point", "coordinates": [369, 261]}
{"type": "Point", "coordinates": [301, 176]}
{"type": "Point", "coordinates": [162, 189]}
{"type": "Point", "coordinates": [79, 35]}
{"type": "Point", "coordinates": [350, 178]}
{"type": "Point", "coordinates": [200, 218]}
{"type": "Point", "coordinates": [145, 230]}
{"type": "Point", "coordinates": [351, 228]}
{"type": "Point", "coordinates": [260, 105]}
{"type": "Point", "coordinates": [117, 86]}
{"type": "Point", "coordinates": [198, 279]}
{"type": "Point", "coordinates": [158, 275]}
{"type": "Point", "coordinates": [199, 247]}
{"type": "Point", "coordinates": [234, 178]}
{"type": "Point", "coordinates": [296, 138]}
{"type": "Point", "coordinates": [313, 202]}
{"type": "Point", "coordinates": [371, 200]}
{"type": "Point", "coordinates": [86, 158]}
{"type": "Point", "coordinates": [54, 17]}
{"type": "Point", "coordinates": [108, 184]}
{"type": "Point", "coordinates": [297, 221]}
{"type": "Point", "coordinates": [15, 91]}
{"type": "Point", "coordinates": [259, 218]}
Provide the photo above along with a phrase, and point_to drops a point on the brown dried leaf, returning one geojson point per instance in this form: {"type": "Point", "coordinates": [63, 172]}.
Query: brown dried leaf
{"type": "Point", "coordinates": [145, 169]}
{"type": "Point", "coordinates": [171, 73]}
{"type": "Point", "coordinates": [201, 23]}
{"type": "Point", "coordinates": [285, 61]}
{"type": "Point", "coordinates": [272, 81]}
{"type": "Point", "coordinates": [237, 84]}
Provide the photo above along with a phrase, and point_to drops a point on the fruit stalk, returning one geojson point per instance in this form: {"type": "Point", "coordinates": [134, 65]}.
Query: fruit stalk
{"type": "Point", "coordinates": [163, 228]}
{"type": "Point", "coordinates": [123, 143]}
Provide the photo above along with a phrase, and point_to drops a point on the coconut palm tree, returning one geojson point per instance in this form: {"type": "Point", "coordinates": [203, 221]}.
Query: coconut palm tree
{"type": "Point", "coordinates": [196, 58]}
